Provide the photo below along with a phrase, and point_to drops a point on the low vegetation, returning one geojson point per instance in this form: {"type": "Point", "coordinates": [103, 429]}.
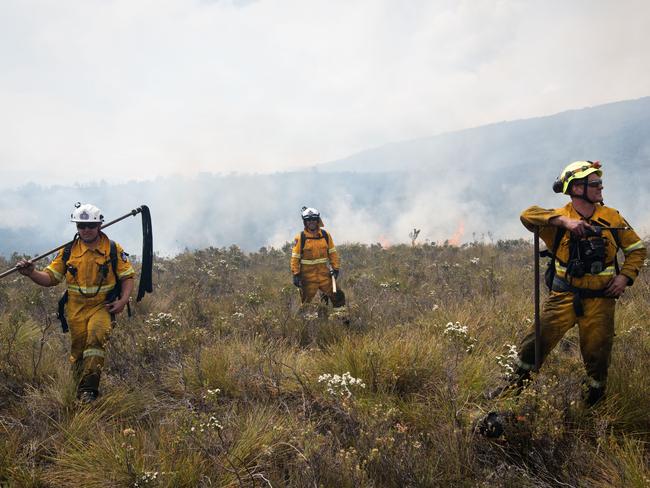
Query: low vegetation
{"type": "Point", "coordinates": [220, 379]}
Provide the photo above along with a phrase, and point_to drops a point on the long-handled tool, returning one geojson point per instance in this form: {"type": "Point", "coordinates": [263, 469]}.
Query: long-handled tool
{"type": "Point", "coordinates": [338, 299]}
{"type": "Point", "coordinates": [147, 250]}
{"type": "Point", "coordinates": [538, 326]}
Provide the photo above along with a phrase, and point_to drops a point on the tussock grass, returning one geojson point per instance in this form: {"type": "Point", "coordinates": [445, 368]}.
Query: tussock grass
{"type": "Point", "coordinates": [217, 381]}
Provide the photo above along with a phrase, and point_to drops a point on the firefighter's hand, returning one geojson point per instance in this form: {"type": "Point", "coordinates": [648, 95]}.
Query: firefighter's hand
{"type": "Point", "coordinates": [579, 228]}
{"type": "Point", "coordinates": [616, 286]}
{"type": "Point", "coordinates": [117, 306]}
{"type": "Point", "coordinates": [25, 267]}
{"type": "Point", "coordinates": [296, 281]}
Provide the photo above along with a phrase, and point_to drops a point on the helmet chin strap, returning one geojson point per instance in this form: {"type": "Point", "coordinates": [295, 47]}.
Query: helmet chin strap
{"type": "Point", "coordinates": [585, 188]}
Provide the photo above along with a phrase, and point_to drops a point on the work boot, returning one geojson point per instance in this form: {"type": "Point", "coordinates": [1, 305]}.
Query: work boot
{"type": "Point", "coordinates": [591, 395]}
{"type": "Point", "coordinates": [88, 388]}
{"type": "Point", "coordinates": [514, 385]}
{"type": "Point", "coordinates": [86, 397]}
{"type": "Point", "coordinates": [491, 425]}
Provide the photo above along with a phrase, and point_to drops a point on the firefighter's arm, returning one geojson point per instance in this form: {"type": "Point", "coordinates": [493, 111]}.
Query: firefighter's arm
{"type": "Point", "coordinates": [124, 266]}
{"type": "Point", "coordinates": [635, 254]}
{"type": "Point", "coordinates": [333, 255]}
{"type": "Point", "coordinates": [543, 218]}
{"type": "Point", "coordinates": [118, 305]}
{"type": "Point", "coordinates": [27, 268]}
{"type": "Point", "coordinates": [295, 256]}
{"type": "Point", "coordinates": [52, 275]}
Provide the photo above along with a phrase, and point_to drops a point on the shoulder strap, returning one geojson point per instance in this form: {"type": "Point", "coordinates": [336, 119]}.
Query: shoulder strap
{"type": "Point", "coordinates": [617, 239]}
{"type": "Point", "coordinates": [549, 275]}
{"type": "Point", "coordinates": [303, 239]}
{"type": "Point", "coordinates": [546, 253]}
{"type": "Point", "coordinates": [67, 250]}
{"type": "Point", "coordinates": [556, 243]}
{"type": "Point", "coordinates": [113, 257]}
{"type": "Point", "coordinates": [326, 237]}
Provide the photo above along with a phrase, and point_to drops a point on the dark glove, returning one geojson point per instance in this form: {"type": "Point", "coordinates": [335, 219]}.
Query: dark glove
{"type": "Point", "coordinates": [334, 273]}
{"type": "Point", "coordinates": [296, 281]}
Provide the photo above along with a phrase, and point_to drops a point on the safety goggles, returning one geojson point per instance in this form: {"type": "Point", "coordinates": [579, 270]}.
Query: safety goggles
{"type": "Point", "coordinates": [87, 225]}
{"type": "Point", "coordinates": [595, 183]}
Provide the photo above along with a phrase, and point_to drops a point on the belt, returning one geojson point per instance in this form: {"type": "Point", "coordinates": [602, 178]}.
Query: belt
{"type": "Point", "coordinates": [579, 294]}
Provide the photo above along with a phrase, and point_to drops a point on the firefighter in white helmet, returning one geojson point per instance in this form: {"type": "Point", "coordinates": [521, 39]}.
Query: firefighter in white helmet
{"type": "Point", "coordinates": [314, 258]}
{"type": "Point", "coordinates": [99, 280]}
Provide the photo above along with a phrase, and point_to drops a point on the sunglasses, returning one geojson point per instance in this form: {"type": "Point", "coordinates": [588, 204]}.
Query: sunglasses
{"type": "Point", "coordinates": [311, 219]}
{"type": "Point", "coordinates": [88, 225]}
{"type": "Point", "coordinates": [595, 183]}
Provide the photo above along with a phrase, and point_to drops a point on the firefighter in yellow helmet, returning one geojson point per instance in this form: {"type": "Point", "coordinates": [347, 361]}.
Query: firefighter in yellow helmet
{"type": "Point", "coordinates": [584, 275]}
{"type": "Point", "coordinates": [92, 267]}
{"type": "Point", "coordinates": [314, 259]}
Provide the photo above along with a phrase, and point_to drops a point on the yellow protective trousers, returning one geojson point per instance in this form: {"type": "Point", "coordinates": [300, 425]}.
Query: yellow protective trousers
{"type": "Point", "coordinates": [90, 327]}
{"type": "Point", "coordinates": [315, 277]}
{"type": "Point", "coordinates": [595, 327]}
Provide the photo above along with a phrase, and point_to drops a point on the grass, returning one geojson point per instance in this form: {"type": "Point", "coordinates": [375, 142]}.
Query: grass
{"type": "Point", "coordinates": [215, 380]}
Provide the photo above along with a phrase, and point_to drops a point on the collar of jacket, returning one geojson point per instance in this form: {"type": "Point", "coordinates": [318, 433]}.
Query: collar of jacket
{"type": "Point", "coordinates": [316, 233]}
{"type": "Point", "coordinates": [80, 248]}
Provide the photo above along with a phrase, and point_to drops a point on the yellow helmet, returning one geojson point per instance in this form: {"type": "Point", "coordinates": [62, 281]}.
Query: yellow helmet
{"type": "Point", "coordinates": [575, 171]}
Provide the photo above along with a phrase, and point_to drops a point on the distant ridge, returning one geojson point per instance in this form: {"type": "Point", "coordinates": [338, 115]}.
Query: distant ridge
{"type": "Point", "coordinates": [617, 132]}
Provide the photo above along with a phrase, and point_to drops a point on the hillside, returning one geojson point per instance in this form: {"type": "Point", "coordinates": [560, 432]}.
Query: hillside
{"type": "Point", "coordinates": [219, 379]}
{"type": "Point", "coordinates": [617, 133]}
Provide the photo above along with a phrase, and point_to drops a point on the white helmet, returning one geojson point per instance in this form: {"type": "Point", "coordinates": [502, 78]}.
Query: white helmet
{"type": "Point", "coordinates": [310, 213]}
{"type": "Point", "coordinates": [86, 213]}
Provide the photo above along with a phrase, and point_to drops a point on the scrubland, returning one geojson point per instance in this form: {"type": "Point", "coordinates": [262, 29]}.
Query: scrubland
{"type": "Point", "coordinates": [220, 379]}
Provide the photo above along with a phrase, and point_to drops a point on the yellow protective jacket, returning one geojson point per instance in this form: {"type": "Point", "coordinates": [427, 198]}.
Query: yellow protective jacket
{"type": "Point", "coordinates": [316, 254]}
{"type": "Point", "coordinates": [632, 246]}
{"type": "Point", "coordinates": [89, 278]}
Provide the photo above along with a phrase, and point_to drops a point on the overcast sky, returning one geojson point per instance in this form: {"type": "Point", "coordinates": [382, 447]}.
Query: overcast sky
{"type": "Point", "coordinates": [122, 89]}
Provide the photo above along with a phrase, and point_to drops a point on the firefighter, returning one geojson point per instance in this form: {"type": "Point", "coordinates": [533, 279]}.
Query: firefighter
{"type": "Point", "coordinates": [584, 276]}
{"type": "Point", "coordinates": [94, 268]}
{"type": "Point", "coordinates": [314, 259]}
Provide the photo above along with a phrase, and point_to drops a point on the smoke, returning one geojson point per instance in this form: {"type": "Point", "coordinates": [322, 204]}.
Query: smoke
{"type": "Point", "coordinates": [457, 187]}
{"type": "Point", "coordinates": [122, 90]}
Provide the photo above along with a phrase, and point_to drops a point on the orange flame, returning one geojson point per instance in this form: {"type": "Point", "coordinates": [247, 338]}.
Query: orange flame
{"type": "Point", "coordinates": [383, 240]}
{"type": "Point", "coordinates": [460, 230]}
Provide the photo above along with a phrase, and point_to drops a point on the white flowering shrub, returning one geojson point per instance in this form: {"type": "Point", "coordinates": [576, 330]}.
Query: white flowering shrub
{"type": "Point", "coordinates": [390, 285]}
{"type": "Point", "coordinates": [508, 361]}
{"type": "Point", "coordinates": [161, 320]}
{"type": "Point", "coordinates": [148, 478]}
{"type": "Point", "coordinates": [459, 333]}
{"type": "Point", "coordinates": [339, 385]}
{"type": "Point", "coordinates": [212, 424]}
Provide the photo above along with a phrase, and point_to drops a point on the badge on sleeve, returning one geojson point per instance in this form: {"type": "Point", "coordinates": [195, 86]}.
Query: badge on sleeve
{"type": "Point", "coordinates": [125, 257]}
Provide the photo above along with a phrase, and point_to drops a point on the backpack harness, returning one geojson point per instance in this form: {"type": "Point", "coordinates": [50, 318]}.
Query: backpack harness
{"type": "Point", "coordinates": [555, 283]}
{"type": "Point", "coordinates": [111, 296]}
{"type": "Point", "coordinates": [303, 239]}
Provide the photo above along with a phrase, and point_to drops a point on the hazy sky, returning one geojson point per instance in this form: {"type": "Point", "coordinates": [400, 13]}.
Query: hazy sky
{"type": "Point", "coordinates": [121, 89]}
